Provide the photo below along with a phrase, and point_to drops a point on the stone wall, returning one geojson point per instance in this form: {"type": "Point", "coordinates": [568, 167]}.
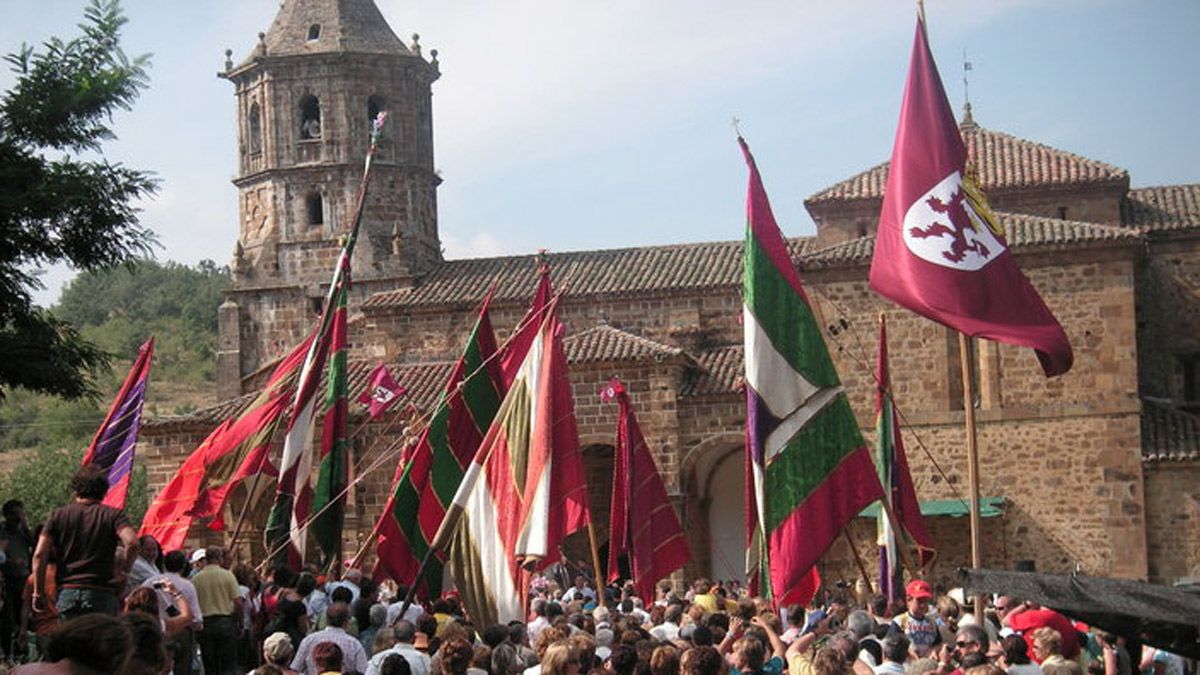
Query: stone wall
{"type": "Point", "coordinates": [1173, 519]}
{"type": "Point", "coordinates": [1169, 316]}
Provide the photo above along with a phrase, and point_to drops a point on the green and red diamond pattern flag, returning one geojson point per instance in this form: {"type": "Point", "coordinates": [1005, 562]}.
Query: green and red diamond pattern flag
{"type": "Point", "coordinates": [939, 251]}
{"type": "Point", "coordinates": [329, 495]}
{"type": "Point", "coordinates": [810, 470]}
{"type": "Point", "coordinates": [893, 470]}
{"type": "Point", "coordinates": [436, 465]}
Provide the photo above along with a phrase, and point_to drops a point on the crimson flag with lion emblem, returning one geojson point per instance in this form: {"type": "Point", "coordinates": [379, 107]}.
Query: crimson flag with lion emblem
{"type": "Point", "coordinates": [939, 250]}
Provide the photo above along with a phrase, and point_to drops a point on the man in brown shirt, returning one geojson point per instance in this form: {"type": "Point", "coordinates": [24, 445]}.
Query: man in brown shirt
{"type": "Point", "coordinates": [93, 546]}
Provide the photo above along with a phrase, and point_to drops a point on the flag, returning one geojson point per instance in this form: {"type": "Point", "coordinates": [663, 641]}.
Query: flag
{"type": "Point", "coordinates": [436, 465]}
{"type": "Point", "coordinates": [434, 468]}
{"type": "Point", "coordinates": [939, 251]}
{"type": "Point", "coordinates": [236, 450]}
{"type": "Point", "coordinates": [287, 524]}
{"type": "Point", "coordinates": [112, 447]}
{"type": "Point", "coordinates": [381, 392]}
{"type": "Point", "coordinates": [811, 472]}
{"type": "Point", "coordinates": [501, 520]}
{"type": "Point", "coordinates": [642, 522]}
{"type": "Point", "coordinates": [329, 498]}
{"type": "Point", "coordinates": [900, 494]}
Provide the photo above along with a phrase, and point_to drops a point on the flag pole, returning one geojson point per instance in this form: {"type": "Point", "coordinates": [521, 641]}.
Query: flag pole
{"type": "Point", "coordinates": [964, 350]}
{"type": "Point", "coordinates": [862, 567]}
{"type": "Point", "coordinates": [596, 561]}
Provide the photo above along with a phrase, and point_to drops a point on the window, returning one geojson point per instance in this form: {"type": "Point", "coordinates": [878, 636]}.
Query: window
{"type": "Point", "coordinates": [860, 228]}
{"type": "Point", "coordinates": [1062, 213]}
{"type": "Point", "coordinates": [310, 117]}
{"type": "Point", "coordinates": [314, 32]}
{"type": "Point", "coordinates": [1190, 365]}
{"type": "Point", "coordinates": [255, 128]}
{"type": "Point", "coordinates": [375, 105]}
{"type": "Point", "coordinates": [314, 209]}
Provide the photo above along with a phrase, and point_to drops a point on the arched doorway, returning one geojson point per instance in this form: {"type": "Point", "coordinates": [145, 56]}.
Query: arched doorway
{"type": "Point", "coordinates": [714, 515]}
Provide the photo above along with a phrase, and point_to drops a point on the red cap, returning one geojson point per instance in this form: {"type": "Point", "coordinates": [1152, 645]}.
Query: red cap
{"type": "Point", "coordinates": [918, 588]}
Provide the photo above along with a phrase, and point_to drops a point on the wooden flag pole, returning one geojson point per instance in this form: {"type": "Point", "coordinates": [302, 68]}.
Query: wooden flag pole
{"type": "Point", "coordinates": [596, 562]}
{"type": "Point", "coordinates": [862, 567]}
{"type": "Point", "coordinates": [964, 353]}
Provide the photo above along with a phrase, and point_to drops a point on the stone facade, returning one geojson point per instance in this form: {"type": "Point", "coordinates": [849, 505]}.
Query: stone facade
{"type": "Point", "coordinates": [1096, 469]}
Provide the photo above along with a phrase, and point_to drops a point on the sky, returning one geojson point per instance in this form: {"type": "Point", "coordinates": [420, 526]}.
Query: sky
{"type": "Point", "coordinates": [571, 125]}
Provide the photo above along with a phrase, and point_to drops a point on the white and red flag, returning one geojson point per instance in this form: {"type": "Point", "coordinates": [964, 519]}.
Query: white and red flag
{"type": "Point", "coordinates": [381, 392]}
{"type": "Point", "coordinates": [939, 250]}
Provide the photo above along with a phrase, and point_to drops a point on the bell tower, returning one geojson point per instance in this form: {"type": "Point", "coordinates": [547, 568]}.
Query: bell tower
{"type": "Point", "coordinates": [306, 96]}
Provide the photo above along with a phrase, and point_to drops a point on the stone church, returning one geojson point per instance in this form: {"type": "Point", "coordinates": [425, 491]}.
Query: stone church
{"type": "Point", "coordinates": [1096, 471]}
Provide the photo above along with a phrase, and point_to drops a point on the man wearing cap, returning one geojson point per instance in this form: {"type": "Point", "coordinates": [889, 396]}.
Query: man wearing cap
{"type": "Point", "coordinates": [198, 561]}
{"type": "Point", "coordinates": [221, 604]}
{"type": "Point", "coordinates": [916, 624]}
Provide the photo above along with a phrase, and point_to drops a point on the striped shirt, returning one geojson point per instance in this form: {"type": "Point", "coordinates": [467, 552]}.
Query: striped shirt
{"type": "Point", "coordinates": [353, 655]}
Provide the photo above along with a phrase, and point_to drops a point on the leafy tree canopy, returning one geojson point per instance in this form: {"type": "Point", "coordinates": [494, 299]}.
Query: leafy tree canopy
{"type": "Point", "coordinates": [56, 207]}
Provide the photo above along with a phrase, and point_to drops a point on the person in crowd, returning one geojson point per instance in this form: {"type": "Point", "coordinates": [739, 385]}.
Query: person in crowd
{"type": "Point", "coordinates": [198, 561]}
{"type": "Point", "coordinates": [376, 619]}
{"type": "Point", "coordinates": [277, 653]}
{"type": "Point", "coordinates": [395, 664]}
{"type": "Point", "coordinates": [15, 569]}
{"type": "Point", "coordinates": [580, 591]}
{"type": "Point", "coordinates": [37, 625]}
{"type": "Point", "coordinates": [149, 655]}
{"type": "Point", "coordinates": [147, 565]}
{"type": "Point", "coordinates": [1156, 661]}
{"type": "Point", "coordinates": [146, 600]}
{"type": "Point", "coordinates": [93, 643]}
{"type": "Point", "coordinates": [862, 625]}
{"type": "Point", "coordinates": [1015, 658]}
{"type": "Point", "coordinates": [250, 590]}
{"type": "Point", "coordinates": [405, 634]}
{"type": "Point", "coordinates": [1026, 617]}
{"type": "Point", "coordinates": [352, 653]}
{"type": "Point", "coordinates": [352, 581]}
{"type": "Point", "coordinates": [220, 604]}
{"type": "Point", "coordinates": [182, 640]}
{"type": "Point", "coordinates": [668, 630]}
{"type": "Point", "coordinates": [454, 657]}
{"type": "Point", "coordinates": [916, 623]}
{"type": "Point", "coordinates": [560, 658]}
{"type": "Point", "coordinates": [92, 544]}
{"type": "Point", "coordinates": [328, 659]}
{"type": "Point", "coordinates": [703, 660]}
{"type": "Point", "coordinates": [895, 655]}
{"type": "Point", "coordinates": [1048, 651]}
{"type": "Point", "coordinates": [290, 612]}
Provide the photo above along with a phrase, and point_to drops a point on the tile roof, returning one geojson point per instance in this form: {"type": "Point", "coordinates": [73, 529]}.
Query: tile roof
{"type": "Point", "coordinates": [1168, 207]}
{"type": "Point", "coordinates": [718, 372]}
{"type": "Point", "coordinates": [1023, 232]}
{"type": "Point", "coordinates": [1168, 433]}
{"type": "Point", "coordinates": [425, 381]}
{"type": "Point", "coordinates": [1002, 161]}
{"type": "Point", "coordinates": [605, 343]}
{"type": "Point", "coordinates": [579, 273]}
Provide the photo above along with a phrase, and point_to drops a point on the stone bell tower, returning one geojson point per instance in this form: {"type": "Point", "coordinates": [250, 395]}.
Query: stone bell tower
{"type": "Point", "coordinates": [306, 96]}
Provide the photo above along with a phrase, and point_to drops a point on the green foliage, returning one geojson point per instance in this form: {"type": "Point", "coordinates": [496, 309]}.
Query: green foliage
{"type": "Point", "coordinates": [58, 208]}
{"type": "Point", "coordinates": [42, 480]}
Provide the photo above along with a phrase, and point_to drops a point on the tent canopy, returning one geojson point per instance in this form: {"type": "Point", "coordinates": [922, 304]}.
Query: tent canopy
{"type": "Point", "coordinates": [1160, 616]}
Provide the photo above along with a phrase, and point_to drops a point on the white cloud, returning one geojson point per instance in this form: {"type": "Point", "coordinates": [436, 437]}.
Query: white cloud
{"type": "Point", "coordinates": [475, 245]}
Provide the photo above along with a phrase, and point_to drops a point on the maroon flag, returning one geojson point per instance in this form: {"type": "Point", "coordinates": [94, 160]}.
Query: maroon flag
{"type": "Point", "coordinates": [381, 392]}
{"type": "Point", "coordinates": [642, 522]}
{"type": "Point", "coordinates": [939, 250]}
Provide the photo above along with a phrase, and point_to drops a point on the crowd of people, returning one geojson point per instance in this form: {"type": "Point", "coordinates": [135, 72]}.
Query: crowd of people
{"type": "Point", "coordinates": [202, 612]}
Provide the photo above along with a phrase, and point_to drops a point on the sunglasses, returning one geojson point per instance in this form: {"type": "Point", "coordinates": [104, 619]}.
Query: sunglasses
{"type": "Point", "coordinates": [964, 643]}
{"type": "Point", "coordinates": [1001, 608]}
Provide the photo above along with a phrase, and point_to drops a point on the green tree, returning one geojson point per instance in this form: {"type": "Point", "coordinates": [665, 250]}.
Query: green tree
{"type": "Point", "coordinates": [56, 207]}
{"type": "Point", "coordinates": [42, 480]}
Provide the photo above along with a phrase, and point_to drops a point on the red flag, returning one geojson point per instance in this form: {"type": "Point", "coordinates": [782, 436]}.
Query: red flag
{"type": "Point", "coordinates": [381, 392]}
{"type": "Point", "coordinates": [234, 451]}
{"type": "Point", "coordinates": [939, 250]}
{"type": "Point", "coordinates": [642, 521]}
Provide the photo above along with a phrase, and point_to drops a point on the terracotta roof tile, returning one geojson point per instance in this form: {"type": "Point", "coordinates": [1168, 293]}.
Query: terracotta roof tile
{"type": "Point", "coordinates": [1168, 433]}
{"type": "Point", "coordinates": [579, 273]}
{"type": "Point", "coordinates": [1169, 207]}
{"type": "Point", "coordinates": [1023, 232]}
{"type": "Point", "coordinates": [605, 343]}
{"type": "Point", "coordinates": [718, 372]}
{"type": "Point", "coordinates": [1003, 162]}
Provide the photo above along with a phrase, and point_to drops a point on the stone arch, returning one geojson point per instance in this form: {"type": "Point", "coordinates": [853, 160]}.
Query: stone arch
{"type": "Point", "coordinates": [711, 476]}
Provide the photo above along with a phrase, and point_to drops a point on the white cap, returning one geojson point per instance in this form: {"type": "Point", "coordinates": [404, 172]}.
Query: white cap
{"type": "Point", "coordinates": [197, 555]}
